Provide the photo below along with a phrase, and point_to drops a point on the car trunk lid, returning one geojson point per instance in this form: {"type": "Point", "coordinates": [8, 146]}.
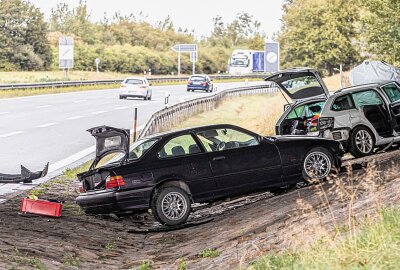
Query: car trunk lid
{"type": "Point", "coordinates": [300, 84]}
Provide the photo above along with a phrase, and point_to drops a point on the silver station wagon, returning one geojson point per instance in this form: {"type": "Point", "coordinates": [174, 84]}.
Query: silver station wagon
{"type": "Point", "coordinates": [362, 118]}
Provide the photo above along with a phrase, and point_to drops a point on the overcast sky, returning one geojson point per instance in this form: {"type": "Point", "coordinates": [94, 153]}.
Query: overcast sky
{"type": "Point", "coordinates": [195, 15]}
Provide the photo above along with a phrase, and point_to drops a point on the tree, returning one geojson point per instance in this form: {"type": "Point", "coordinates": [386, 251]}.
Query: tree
{"type": "Point", "coordinates": [320, 34]}
{"type": "Point", "coordinates": [23, 37]}
{"type": "Point", "coordinates": [382, 29]}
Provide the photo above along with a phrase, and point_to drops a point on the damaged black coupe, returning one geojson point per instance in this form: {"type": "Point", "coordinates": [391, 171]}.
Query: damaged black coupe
{"type": "Point", "coordinates": [167, 172]}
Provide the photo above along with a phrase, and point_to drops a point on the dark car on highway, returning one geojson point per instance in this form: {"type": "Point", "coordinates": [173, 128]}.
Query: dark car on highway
{"type": "Point", "coordinates": [167, 172]}
{"type": "Point", "coordinates": [200, 82]}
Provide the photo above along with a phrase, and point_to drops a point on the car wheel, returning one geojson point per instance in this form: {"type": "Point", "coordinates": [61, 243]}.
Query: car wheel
{"type": "Point", "coordinates": [362, 142]}
{"type": "Point", "coordinates": [317, 164]}
{"type": "Point", "coordinates": [171, 206]}
{"type": "Point", "coordinates": [149, 98]}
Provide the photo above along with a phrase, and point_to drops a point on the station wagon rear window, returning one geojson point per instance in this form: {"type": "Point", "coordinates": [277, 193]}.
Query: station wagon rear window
{"type": "Point", "coordinates": [133, 81]}
{"type": "Point", "coordinates": [297, 84]}
{"type": "Point", "coordinates": [198, 78]}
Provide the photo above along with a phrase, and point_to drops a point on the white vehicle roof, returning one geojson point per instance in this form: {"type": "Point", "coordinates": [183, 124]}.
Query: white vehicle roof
{"type": "Point", "coordinates": [135, 78]}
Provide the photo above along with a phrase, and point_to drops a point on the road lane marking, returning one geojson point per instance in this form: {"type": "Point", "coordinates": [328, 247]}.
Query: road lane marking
{"type": "Point", "coordinates": [75, 117]}
{"type": "Point", "coordinates": [79, 101]}
{"type": "Point", "coordinates": [2, 113]}
{"type": "Point", "coordinates": [43, 106]}
{"type": "Point", "coordinates": [121, 107]}
{"type": "Point", "coordinates": [46, 125]}
{"type": "Point", "coordinates": [99, 112]}
{"type": "Point", "coordinates": [10, 134]}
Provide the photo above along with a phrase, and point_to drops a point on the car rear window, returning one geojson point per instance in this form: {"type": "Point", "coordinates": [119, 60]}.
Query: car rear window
{"type": "Point", "coordinates": [297, 84]}
{"type": "Point", "coordinates": [133, 81]}
{"type": "Point", "coordinates": [343, 103]}
{"type": "Point", "coordinates": [198, 78]}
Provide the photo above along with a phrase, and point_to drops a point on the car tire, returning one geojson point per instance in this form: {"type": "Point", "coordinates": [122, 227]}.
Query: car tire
{"type": "Point", "coordinates": [362, 142]}
{"type": "Point", "coordinates": [165, 198]}
{"type": "Point", "coordinates": [317, 165]}
{"type": "Point", "coordinates": [149, 98]}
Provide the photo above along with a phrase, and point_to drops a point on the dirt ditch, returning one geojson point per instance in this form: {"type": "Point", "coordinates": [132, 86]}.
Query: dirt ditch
{"type": "Point", "coordinates": [236, 230]}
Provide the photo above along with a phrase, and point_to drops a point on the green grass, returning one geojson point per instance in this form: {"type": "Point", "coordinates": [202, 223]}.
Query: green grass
{"type": "Point", "coordinates": [375, 246]}
{"type": "Point", "coordinates": [209, 253]}
{"type": "Point", "coordinates": [145, 265]}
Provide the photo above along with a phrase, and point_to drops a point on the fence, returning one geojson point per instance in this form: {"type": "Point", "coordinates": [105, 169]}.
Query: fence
{"type": "Point", "coordinates": [103, 82]}
{"type": "Point", "coordinates": [169, 117]}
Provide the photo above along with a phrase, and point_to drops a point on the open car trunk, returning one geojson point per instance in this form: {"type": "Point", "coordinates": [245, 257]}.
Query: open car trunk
{"type": "Point", "coordinates": [109, 140]}
{"type": "Point", "coordinates": [26, 175]}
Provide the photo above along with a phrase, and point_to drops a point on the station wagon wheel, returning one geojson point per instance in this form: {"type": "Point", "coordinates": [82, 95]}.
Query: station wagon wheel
{"type": "Point", "coordinates": [171, 206]}
{"type": "Point", "coordinates": [317, 164]}
{"type": "Point", "coordinates": [362, 142]}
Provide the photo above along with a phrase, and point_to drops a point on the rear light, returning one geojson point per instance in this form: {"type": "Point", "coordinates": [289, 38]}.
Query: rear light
{"type": "Point", "coordinates": [143, 86]}
{"type": "Point", "coordinates": [204, 83]}
{"type": "Point", "coordinates": [115, 182]}
{"type": "Point", "coordinates": [190, 82]}
{"type": "Point", "coordinates": [81, 188]}
{"type": "Point", "coordinates": [325, 123]}
{"type": "Point", "coordinates": [123, 85]}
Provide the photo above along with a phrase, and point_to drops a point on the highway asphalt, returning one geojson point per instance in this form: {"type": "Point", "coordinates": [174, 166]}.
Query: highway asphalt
{"type": "Point", "coordinates": [52, 128]}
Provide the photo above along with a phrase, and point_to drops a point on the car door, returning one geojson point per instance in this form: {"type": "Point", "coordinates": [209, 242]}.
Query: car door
{"type": "Point", "coordinates": [240, 162]}
{"type": "Point", "coordinates": [392, 92]}
{"type": "Point", "coordinates": [182, 158]}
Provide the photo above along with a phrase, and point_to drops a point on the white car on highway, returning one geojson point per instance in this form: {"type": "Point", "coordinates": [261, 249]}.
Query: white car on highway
{"type": "Point", "coordinates": [135, 87]}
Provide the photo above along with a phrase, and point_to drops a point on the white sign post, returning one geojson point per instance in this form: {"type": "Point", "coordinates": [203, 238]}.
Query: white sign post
{"type": "Point", "coordinates": [179, 48]}
{"type": "Point", "coordinates": [193, 59]}
{"type": "Point", "coordinates": [66, 53]}
{"type": "Point", "coordinates": [97, 61]}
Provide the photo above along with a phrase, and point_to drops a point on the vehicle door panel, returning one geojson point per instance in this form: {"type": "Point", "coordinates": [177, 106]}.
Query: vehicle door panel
{"type": "Point", "coordinates": [392, 92]}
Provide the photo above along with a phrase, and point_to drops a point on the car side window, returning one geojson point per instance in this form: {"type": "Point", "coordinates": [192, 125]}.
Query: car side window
{"type": "Point", "coordinates": [392, 91]}
{"type": "Point", "coordinates": [343, 103]}
{"type": "Point", "coordinates": [215, 140]}
{"type": "Point", "coordinates": [368, 97]}
{"type": "Point", "coordinates": [179, 146]}
{"type": "Point", "coordinates": [307, 110]}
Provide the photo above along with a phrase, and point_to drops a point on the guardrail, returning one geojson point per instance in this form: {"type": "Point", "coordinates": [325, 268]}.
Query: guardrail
{"type": "Point", "coordinates": [102, 82]}
{"type": "Point", "coordinates": [169, 117]}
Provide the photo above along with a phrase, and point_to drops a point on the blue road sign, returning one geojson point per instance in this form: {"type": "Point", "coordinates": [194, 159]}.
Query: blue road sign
{"type": "Point", "coordinates": [271, 57]}
{"type": "Point", "coordinates": [258, 62]}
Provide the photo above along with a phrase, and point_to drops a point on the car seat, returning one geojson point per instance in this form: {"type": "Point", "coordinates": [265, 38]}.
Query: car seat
{"type": "Point", "coordinates": [377, 115]}
{"type": "Point", "coordinates": [177, 151]}
{"type": "Point", "coordinates": [194, 148]}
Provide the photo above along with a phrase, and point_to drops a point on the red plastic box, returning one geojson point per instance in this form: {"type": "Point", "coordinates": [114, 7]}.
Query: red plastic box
{"type": "Point", "coordinates": [41, 207]}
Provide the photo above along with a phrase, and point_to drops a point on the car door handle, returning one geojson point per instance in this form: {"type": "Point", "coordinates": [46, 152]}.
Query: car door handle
{"type": "Point", "coordinates": [218, 158]}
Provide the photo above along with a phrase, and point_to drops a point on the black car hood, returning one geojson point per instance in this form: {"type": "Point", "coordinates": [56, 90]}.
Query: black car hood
{"type": "Point", "coordinates": [26, 175]}
{"type": "Point", "coordinates": [317, 89]}
{"type": "Point", "coordinates": [110, 140]}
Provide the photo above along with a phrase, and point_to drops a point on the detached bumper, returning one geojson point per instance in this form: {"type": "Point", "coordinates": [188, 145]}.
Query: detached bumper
{"type": "Point", "coordinates": [113, 201]}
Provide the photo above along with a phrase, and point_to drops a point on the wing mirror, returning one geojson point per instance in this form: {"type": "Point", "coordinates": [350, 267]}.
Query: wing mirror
{"type": "Point", "coordinates": [286, 107]}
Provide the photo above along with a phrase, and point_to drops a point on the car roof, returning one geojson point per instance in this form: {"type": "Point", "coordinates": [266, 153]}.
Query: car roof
{"type": "Point", "coordinates": [199, 75]}
{"type": "Point", "coordinates": [193, 129]}
{"type": "Point", "coordinates": [135, 78]}
{"type": "Point", "coordinates": [358, 87]}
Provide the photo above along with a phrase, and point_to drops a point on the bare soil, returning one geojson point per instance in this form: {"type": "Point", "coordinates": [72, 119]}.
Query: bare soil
{"type": "Point", "coordinates": [239, 229]}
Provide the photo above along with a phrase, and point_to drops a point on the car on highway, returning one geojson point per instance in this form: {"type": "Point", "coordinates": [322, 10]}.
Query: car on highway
{"type": "Point", "coordinates": [135, 87]}
{"type": "Point", "coordinates": [167, 172]}
{"type": "Point", "coordinates": [362, 118]}
{"type": "Point", "coordinates": [200, 82]}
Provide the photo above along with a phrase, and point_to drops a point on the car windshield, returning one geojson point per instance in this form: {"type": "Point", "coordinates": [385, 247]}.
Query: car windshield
{"type": "Point", "coordinates": [133, 81]}
{"type": "Point", "coordinates": [240, 62]}
{"type": "Point", "coordinates": [198, 78]}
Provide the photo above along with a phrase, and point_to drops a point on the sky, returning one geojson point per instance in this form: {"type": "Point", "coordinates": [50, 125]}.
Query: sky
{"type": "Point", "coordinates": [195, 15]}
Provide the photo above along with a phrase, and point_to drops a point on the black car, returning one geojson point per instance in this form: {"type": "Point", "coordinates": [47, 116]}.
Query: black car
{"type": "Point", "coordinates": [200, 82]}
{"type": "Point", "coordinates": [167, 172]}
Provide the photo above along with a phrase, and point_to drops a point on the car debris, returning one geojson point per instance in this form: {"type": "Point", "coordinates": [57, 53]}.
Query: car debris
{"type": "Point", "coordinates": [50, 208]}
{"type": "Point", "coordinates": [26, 175]}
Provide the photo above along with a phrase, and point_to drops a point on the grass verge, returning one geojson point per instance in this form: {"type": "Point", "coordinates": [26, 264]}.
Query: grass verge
{"type": "Point", "coordinates": [375, 246]}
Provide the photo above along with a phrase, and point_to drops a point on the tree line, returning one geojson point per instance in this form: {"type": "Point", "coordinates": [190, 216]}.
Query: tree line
{"type": "Point", "coordinates": [318, 33]}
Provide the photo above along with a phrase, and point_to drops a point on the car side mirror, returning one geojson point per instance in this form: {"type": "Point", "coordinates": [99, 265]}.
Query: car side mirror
{"type": "Point", "coordinates": [150, 84]}
{"type": "Point", "coordinates": [286, 107]}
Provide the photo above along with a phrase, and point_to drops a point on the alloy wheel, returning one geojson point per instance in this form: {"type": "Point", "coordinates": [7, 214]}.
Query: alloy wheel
{"type": "Point", "coordinates": [317, 165]}
{"type": "Point", "coordinates": [174, 206]}
{"type": "Point", "coordinates": [364, 142]}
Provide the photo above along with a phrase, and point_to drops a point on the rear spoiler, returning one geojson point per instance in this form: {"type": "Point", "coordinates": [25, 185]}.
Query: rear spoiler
{"type": "Point", "coordinates": [26, 175]}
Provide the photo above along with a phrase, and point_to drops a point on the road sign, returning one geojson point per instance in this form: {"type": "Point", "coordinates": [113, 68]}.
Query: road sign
{"type": "Point", "coordinates": [271, 57]}
{"type": "Point", "coordinates": [66, 52]}
{"type": "Point", "coordinates": [185, 48]}
{"type": "Point", "coordinates": [193, 57]}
